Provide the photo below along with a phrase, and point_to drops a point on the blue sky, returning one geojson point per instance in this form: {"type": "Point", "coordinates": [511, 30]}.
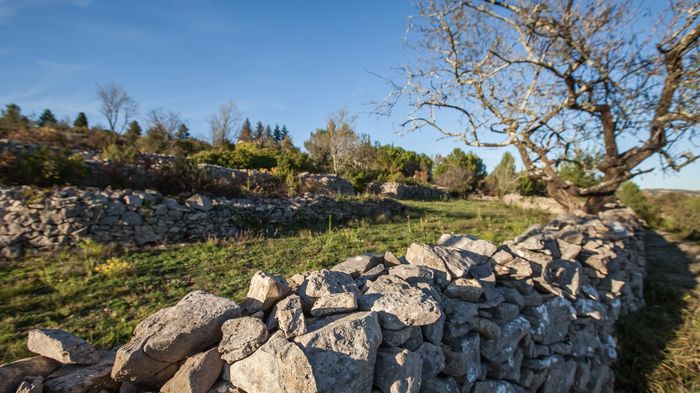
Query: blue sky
{"type": "Point", "coordinates": [283, 62]}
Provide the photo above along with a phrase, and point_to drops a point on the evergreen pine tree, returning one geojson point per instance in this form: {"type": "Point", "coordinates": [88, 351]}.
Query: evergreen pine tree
{"type": "Point", "coordinates": [277, 133]}
{"type": "Point", "coordinates": [246, 134]}
{"type": "Point", "coordinates": [133, 132]}
{"type": "Point", "coordinates": [183, 132]}
{"type": "Point", "coordinates": [285, 133]}
{"type": "Point", "coordinates": [47, 118]}
{"type": "Point", "coordinates": [81, 121]}
{"type": "Point", "coordinates": [259, 132]}
{"type": "Point", "coordinates": [268, 138]}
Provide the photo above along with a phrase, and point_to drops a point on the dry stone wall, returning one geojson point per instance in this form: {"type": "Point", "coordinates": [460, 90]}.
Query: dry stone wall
{"type": "Point", "coordinates": [407, 191]}
{"type": "Point", "coordinates": [32, 218]}
{"type": "Point", "coordinates": [535, 314]}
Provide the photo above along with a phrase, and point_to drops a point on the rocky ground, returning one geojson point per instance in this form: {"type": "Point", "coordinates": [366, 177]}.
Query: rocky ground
{"type": "Point", "coordinates": [462, 315]}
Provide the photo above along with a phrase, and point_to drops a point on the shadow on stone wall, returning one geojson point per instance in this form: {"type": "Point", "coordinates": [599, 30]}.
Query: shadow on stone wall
{"type": "Point", "coordinates": [645, 334]}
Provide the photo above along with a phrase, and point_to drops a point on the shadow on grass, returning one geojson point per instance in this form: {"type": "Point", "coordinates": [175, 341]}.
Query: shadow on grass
{"type": "Point", "coordinates": [646, 362]}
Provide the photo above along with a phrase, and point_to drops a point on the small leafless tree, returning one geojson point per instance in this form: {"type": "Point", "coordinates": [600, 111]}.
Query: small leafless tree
{"type": "Point", "coordinates": [163, 121]}
{"type": "Point", "coordinates": [223, 123]}
{"type": "Point", "coordinates": [548, 76]}
{"type": "Point", "coordinates": [117, 106]}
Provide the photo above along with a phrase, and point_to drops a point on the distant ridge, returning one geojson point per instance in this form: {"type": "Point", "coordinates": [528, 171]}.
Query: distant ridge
{"type": "Point", "coordinates": [660, 191]}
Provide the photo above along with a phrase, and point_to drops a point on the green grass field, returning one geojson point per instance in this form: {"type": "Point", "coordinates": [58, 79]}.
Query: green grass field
{"type": "Point", "coordinates": [101, 295]}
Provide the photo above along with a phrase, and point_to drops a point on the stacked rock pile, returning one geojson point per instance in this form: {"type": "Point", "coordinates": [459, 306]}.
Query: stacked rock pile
{"type": "Point", "coordinates": [31, 218]}
{"type": "Point", "coordinates": [532, 315]}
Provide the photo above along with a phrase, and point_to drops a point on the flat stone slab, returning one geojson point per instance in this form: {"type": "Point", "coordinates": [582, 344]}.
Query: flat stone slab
{"type": "Point", "coordinates": [62, 346]}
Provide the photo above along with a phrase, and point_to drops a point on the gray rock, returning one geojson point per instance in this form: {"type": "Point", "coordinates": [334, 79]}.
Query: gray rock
{"type": "Point", "coordinates": [265, 289]}
{"type": "Point", "coordinates": [83, 379]}
{"type": "Point", "coordinates": [415, 341]}
{"type": "Point", "coordinates": [199, 202]}
{"type": "Point", "coordinates": [277, 367]}
{"type": "Point", "coordinates": [440, 384]}
{"type": "Point", "coordinates": [494, 387]}
{"type": "Point", "coordinates": [398, 371]}
{"type": "Point", "coordinates": [290, 316]}
{"type": "Point", "coordinates": [435, 331]}
{"type": "Point", "coordinates": [486, 328]}
{"type": "Point", "coordinates": [468, 243]}
{"type": "Point", "coordinates": [241, 337]}
{"type": "Point", "coordinates": [62, 346]}
{"type": "Point", "coordinates": [396, 338]}
{"type": "Point", "coordinates": [325, 282]}
{"type": "Point", "coordinates": [463, 357]}
{"type": "Point", "coordinates": [355, 266]}
{"type": "Point", "coordinates": [398, 304]}
{"type": "Point", "coordinates": [170, 335]}
{"type": "Point", "coordinates": [345, 365]}
{"type": "Point", "coordinates": [467, 289]}
{"type": "Point", "coordinates": [550, 321]}
{"type": "Point", "coordinates": [197, 374]}
{"type": "Point", "coordinates": [335, 303]}
{"type": "Point", "coordinates": [391, 260]}
{"type": "Point", "coordinates": [413, 274]}
{"type": "Point", "coordinates": [433, 360]}
{"type": "Point", "coordinates": [560, 377]}
{"type": "Point", "coordinates": [501, 348]}
{"type": "Point", "coordinates": [11, 374]}
{"type": "Point", "coordinates": [453, 263]}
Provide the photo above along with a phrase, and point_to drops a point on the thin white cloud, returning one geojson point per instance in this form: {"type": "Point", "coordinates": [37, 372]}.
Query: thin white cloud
{"type": "Point", "coordinates": [11, 9]}
{"type": "Point", "coordinates": [60, 66]}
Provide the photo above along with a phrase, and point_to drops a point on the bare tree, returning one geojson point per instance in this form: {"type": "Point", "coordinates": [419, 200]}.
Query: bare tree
{"type": "Point", "coordinates": [163, 121]}
{"type": "Point", "coordinates": [545, 76]}
{"type": "Point", "coordinates": [117, 107]}
{"type": "Point", "coordinates": [223, 123]}
{"type": "Point", "coordinates": [336, 144]}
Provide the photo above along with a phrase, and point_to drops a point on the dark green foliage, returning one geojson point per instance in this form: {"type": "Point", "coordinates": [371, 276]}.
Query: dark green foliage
{"type": "Point", "coordinates": [581, 169]}
{"type": "Point", "coordinates": [259, 132]}
{"type": "Point", "coordinates": [244, 156]}
{"type": "Point", "coordinates": [504, 179]}
{"type": "Point", "coordinates": [630, 194]}
{"type": "Point", "coordinates": [13, 119]}
{"type": "Point", "coordinates": [46, 119]}
{"type": "Point", "coordinates": [133, 132]}
{"type": "Point", "coordinates": [157, 140]}
{"type": "Point", "coordinates": [529, 186]}
{"type": "Point", "coordinates": [183, 132]}
{"type": "Point", "coordinates": [460, 172]}
{"type": "Point", "coordinates": [81, 121]}
{"type": "Point", "coordinates": [43, 167]}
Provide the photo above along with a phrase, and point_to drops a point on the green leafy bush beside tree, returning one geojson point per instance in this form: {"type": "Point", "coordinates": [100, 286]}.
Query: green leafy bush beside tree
{"type": "Point", "coordinates": [42, 167]}
{"type": "Point", "coordinates": [460, 172]}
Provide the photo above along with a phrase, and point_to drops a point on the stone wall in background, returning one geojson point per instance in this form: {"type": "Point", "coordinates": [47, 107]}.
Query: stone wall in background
{"type": "Point", "coordinates": [407, 191]}
{"type": "Point", "coordinates": [535, 314]}
{"type": "Point", "coordinates": [46, 219]}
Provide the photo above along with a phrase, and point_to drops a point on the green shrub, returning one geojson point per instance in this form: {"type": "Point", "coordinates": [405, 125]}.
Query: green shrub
{"type": "Point", "coordinates": [42, 167]}
{"type": "Point", "coordinates": [630, 194]}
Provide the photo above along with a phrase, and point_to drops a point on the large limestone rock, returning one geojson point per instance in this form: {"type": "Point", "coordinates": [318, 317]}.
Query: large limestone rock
{"type": "Point", "coordinates": [347, 364]}
{"type": "Point", "coordinates": [62, 346]}
{"type": "Point", "coordinates": [241, 337]}
{"type": "Point", "coordinates": [468, 243]}
{"type": "Point", "coordinates": [83, 379]}
{"type": "Point", "coordinates": [463, 357]}
{"type": "Point", "coordinates": [433, 359]}
{"type": "Point", "coordinates": [290, 316]}
{"type": "Point", "coordinates": [336, 303]}
{"type": "Point", "coordinates": [325, 282]}
{"type": "Point", "coordinates": [197, 374]}
{"type": "Point", "coordinates": [265, 289]}
{"type": "Point", "coordinates": [550, 321]}
{"type": "Point", "coordinates": [467, 289]}
{"type": "Point", "coordinates": [279, 366]}
{"type": "Point", "coordinates": [399, 304]}
{"type": "Point", "coordinates": [355, 266]}
{"type": "Point", "coordinates": [170, 335]}
{"type": "Point", "coordinates": [454, 263]}
{"type": "Point", "coordinates": [398, 371]}
{"type": "Point", "coordinates": [11, 374]}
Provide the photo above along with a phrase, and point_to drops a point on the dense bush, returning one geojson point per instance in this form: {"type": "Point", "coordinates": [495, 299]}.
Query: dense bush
{"type": "Point", "coordinates": [43, 167]}
{"type": "Point", "coordinates": [630, 194]}
{"type": "Point", "coordinates": [460, 172]}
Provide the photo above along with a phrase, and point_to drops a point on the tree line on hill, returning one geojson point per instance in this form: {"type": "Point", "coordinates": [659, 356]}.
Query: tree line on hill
{"type": "Point", "coordinates": [335, 148]}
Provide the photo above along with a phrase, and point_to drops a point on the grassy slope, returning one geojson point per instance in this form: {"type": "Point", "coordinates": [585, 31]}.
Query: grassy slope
{"type": "Point", "coordinates": [102, 302]}
{"type": "Point", "coordinates": [660, 344]}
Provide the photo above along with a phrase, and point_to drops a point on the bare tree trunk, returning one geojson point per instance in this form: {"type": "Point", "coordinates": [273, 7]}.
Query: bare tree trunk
{"type": "Point", "coordinates": [569, 202]}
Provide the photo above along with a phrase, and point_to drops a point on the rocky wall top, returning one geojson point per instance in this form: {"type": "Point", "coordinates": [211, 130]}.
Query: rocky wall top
{"type": "Point", "coordinates": [45, 219]}
{"type": "Point", "coordinates": [535, 314]}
